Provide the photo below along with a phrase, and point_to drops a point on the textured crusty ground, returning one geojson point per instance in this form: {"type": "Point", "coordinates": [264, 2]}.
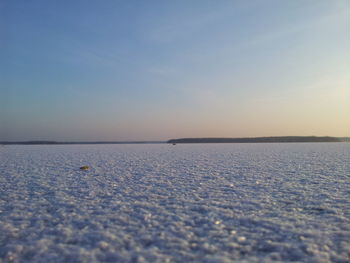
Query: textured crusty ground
{"type": "Point", "coordinates": [183, 203]}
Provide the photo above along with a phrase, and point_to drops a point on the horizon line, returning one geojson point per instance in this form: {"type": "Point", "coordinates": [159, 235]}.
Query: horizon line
{"type": "Point", "coordinates": [237, 139]}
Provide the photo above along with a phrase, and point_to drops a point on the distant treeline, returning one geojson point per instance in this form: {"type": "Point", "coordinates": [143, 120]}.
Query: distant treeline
{"type": "Point", "coordinates": [258, 139]}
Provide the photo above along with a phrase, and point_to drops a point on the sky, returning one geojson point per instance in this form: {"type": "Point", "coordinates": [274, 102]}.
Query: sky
{"type": "Point", "coordinates": [155, 70]}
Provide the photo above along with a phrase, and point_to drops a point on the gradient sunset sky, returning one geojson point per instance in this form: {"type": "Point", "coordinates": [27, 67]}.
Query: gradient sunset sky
{"type": "Point", "coordinates": [155, 70]}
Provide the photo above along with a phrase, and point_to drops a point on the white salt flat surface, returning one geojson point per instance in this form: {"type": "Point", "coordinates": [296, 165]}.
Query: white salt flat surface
{"type": "Point", "coordinates": [183, 203]}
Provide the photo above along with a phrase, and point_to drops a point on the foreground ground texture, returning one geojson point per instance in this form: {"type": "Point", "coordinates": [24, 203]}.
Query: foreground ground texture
{"type": "Point", "coordinates": [183, 203]}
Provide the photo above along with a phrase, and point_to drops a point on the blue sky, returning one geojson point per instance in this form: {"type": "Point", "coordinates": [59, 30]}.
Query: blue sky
{"type": "Point", "coordinates": [154, 70]}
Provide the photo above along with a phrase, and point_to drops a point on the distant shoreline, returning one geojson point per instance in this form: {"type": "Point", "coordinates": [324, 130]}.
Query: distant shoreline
{"type": "Point", "coordinates": [272, 139]}
{"type": "Point", "coordinates": [72, 143]}
{"type": "Point", "coordinates": [275, 139]}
